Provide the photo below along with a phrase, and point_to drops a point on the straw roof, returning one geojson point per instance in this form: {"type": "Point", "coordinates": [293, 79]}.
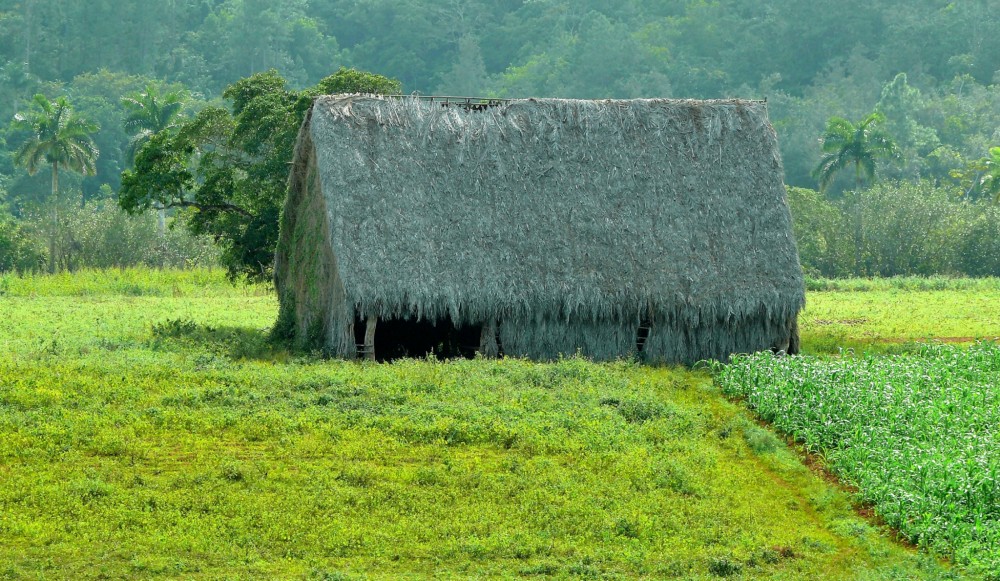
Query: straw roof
{"type": "Point", "coordinates": [570, 222]}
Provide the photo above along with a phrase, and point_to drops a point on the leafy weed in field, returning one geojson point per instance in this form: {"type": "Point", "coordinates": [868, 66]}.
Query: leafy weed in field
{"type": "Point", "coordinates": [235, 343]}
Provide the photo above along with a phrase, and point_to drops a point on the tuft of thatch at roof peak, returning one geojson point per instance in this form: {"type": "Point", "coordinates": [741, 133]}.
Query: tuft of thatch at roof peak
{"type": "Point", "coordinates": [572, 223]}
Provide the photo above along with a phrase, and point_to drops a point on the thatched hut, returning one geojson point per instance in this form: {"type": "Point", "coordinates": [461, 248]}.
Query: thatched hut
{"type": "Point", "coordinates": [538, 227]}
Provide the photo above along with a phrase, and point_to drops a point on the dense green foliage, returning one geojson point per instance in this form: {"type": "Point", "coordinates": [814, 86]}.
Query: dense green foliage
{"type": "Point", "coordinates": [896, 229]}
{"type": "Point", "coordinates": [696, 47]}
{"type": "Point", "coordinates": [19, 251]}
{"type": "Point", "coordinates": [230, 167]}
{"type": "Point", "coordinates": [147, 427]}
{"type": "Point", "coordinates": [812, 61]}
{"type": "Point", "coordinates": [101, 235]}
{"type": "Point", "coordinates": [916, 434]}
{"type": "Point", "coordinates": [95, 234]}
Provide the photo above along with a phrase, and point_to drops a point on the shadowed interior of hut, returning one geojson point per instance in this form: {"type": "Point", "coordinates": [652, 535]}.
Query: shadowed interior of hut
{"type": "Point", "coordinates": [399, 338]}
{"type": "Point", "coordinates": [642, 335]}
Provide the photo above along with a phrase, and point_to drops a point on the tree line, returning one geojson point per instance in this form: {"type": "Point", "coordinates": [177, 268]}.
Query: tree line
{"type": "Point", "coordinates": [811, 60]}
{"type": "Point", "coordinates": [906, 91]}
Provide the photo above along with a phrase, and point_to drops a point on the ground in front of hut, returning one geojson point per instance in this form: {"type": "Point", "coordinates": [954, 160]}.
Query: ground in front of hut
{"type": "Point", "coordinates": [148, 428]}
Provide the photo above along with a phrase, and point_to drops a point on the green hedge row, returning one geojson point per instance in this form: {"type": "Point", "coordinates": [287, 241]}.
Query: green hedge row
{"type": "Point", "coordinates": [896, 229]}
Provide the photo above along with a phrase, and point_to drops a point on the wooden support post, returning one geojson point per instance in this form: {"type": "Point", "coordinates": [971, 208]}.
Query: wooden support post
{"type": "Point", "coordinates": [348, 344]}
{"type": "Point", "coordinates": [488, 346]}
{"type": "Point", "coordinates": [370, 338]}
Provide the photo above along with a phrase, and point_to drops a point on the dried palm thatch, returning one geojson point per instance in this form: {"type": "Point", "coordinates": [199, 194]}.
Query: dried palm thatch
{"type": "Point", "coordinates": [568, 224]}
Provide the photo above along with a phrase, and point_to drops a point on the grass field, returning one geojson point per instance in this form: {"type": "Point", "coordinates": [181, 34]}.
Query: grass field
{"type": "Point", "coordinates": [148, 429]}
{"type": "Point", "coordinates": [888, 315]}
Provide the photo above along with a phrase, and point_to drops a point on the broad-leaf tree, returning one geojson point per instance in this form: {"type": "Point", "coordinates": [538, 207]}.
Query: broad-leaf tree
{"type": "Point", "coordinates": [228, 168]}
{"type": "Point", "coordinates": [57, 139]}
{"type": "Point", "coordinates": [845, 144]}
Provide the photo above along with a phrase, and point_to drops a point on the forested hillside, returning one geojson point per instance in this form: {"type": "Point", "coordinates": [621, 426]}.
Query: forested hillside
{"type": "Point", "coordinates": [930, 67]}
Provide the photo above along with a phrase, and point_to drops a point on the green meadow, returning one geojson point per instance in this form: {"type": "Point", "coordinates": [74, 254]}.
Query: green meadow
{"type": "Point", "coordinates": [149, 429]}
{"type": "Point", "coordinates": [891, 315]}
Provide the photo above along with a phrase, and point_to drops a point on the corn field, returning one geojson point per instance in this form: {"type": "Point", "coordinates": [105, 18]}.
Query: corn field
{"type": "Point", "coordinates": [917, 435]}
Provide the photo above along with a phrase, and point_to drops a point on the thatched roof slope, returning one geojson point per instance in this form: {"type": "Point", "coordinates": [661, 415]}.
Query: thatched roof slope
{"type": "Point", "coordinates": [571, 223]}
{"type": "Point", "coordinates": [556, 210]}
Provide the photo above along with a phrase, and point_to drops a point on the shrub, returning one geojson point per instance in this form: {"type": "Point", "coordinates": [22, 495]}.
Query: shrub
{"type": "Point", "coordinates": [100, 235]}
{"type": "Point", "coordinates": [895, 229]}
{"type": "Point", "coordinates": [19, 252]}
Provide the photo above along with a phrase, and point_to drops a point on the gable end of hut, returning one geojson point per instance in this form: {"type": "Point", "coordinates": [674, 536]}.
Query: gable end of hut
{"type": "Point", "coordinates": [311, 312]}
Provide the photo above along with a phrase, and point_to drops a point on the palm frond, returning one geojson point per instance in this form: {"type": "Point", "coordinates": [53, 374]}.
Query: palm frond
{"type": "Point", "coordinates": [844, 144]}
{"type": "Point", "coordinates": [830, 164]}
{"type": "Point", "coordinates": [30, 156]}
{"type": "Point", "coordinates": [43, 103]}
{"type": "Point", "coordinates": [838, 131]}
{"type": "Point", "coordinates": [151, 111]}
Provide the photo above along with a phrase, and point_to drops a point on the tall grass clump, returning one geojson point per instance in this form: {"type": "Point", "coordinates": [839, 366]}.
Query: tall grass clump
{"type": "Point", "coordinates": [135, 281]}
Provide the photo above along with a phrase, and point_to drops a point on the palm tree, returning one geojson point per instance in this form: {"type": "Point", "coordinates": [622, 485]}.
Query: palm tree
{"type": "Point", "coordinates": [59, 139]}
{"type": "Point", "coordinates": [862, 145]}
{"type": "Point", "coordinates": [148, 114]}
{"type": "Point", "coordinates": [989, 183]}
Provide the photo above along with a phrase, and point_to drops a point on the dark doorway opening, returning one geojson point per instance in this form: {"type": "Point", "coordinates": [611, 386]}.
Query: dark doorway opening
{"type": "Point", "coordinates": [399, 338]}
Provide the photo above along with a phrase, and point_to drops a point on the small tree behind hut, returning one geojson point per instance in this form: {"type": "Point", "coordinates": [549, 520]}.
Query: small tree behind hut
{"type": "Point", "coordinates": [862, 146]}
{"type": "Point", "coordinates": [229, 167]}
